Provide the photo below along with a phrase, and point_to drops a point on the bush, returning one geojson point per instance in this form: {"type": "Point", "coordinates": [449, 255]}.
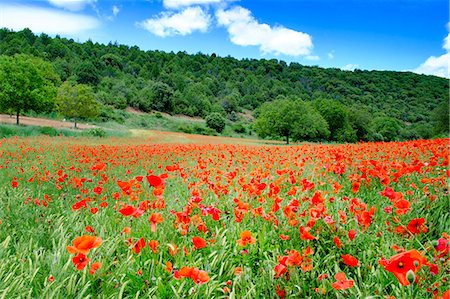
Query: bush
{"type": "Point", "coordinates": [185, 129]}
{"type": "Point", "coordinates": [96, 132]}
{"type": "Point", "coordinates": [240, 128]}
{"type": "Point", "coordinates": [48, 131]}
{"type": "Point", "coordinates": [215, 121]}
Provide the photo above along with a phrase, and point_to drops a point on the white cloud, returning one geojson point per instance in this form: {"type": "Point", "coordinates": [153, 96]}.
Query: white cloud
{"type": "Point", "coordinates": [72, 5]}
{"type": "Point", "coordinates": [245, 30]}
{"type": "Point", "coordinates": [183, 23]}
{"type": "Point", "coordinates": [437, 66]}
{"type": "Point", "coordinates": [50, 21]}
{"type": "Point", "coordinates": [312, 57]}
{"type": "Point", "coordinates": [115, 10]}
{"type": "Point", "coordinates": [184, 3]}
{"type": "Point", "coordinates": [331, 55]}
{"type": "Point", "coordinates": [349, 67]}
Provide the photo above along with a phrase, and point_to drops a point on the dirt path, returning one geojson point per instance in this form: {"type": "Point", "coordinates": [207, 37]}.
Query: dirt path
{"type": "Point", "coordinates": [42, 122]}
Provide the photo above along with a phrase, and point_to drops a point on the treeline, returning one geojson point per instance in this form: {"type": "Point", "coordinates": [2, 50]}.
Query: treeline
{"type": "Point", "coordinates": [199, 85]}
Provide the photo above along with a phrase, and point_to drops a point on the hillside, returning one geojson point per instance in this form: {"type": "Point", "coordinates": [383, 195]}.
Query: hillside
{"type": "Point", "coordinates": [195, 85]}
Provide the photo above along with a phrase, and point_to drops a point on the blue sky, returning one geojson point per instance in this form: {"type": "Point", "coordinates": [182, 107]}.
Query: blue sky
{"type": "Point", "coordinates": [400, 35]}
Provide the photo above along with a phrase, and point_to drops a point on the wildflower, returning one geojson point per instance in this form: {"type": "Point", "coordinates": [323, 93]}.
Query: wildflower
{"type": "Point", "coordinates": [401, 263]}
{"type": "Point", "coordinates": [153, 244]}
{"type": "Point", "coordinates": [155, 219]}
{"type": "Point", "coordinates": [199, 242]}
{"type": "Point", "coordinates": [417, 226]}
{"type": "Point", "coordinates": [342, 283]}
{"type": "Point", "coordinates": [80, 261]}
{"type": "Point", "coordinates": [350, 260]}
{"type": "Point", "coordinates": [246, 238]}
{"type": "Point", "coordinates": [138, 245]}
{"type": "Point", "coordinates": [94, 267]}
{"type": "Point", "coordinates": [154, 180]}
{"type": "Point", "coordinates": [84, 244]}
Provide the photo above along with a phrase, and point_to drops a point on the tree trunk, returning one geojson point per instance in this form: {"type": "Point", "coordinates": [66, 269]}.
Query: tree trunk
{"type": "Point", "coordinates": [287, 138]}
{"type": "Point", "coordinates": [17, 118]}
{"type": "Point", "coordinates": [75, 121]}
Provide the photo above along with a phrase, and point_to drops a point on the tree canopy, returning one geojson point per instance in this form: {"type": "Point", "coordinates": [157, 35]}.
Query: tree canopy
{"type": "Point", "coordinates": [199, 84]}
{"type": "Point", "coordinates": [77, 101]}
{"type": "Point", "coordinates": [291, 118]}
{"type": "Point", "coordinates": [27, 83]}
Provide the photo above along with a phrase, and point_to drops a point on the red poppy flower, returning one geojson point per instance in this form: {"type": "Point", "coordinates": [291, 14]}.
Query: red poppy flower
{"type": "Point", "coordinates": [154, 180]}
{"type": "Point", "coordinates": [84, 244]}
{"type": "Point", "coordinates": [246, 238]}
{"type": "Point", "coordinates": [338, 242]}
{"type": "Point", "coordinates": [94, 267]}
{"type": "Point", "coordinates": [154, 219]}
{"type": "Point", "coordinates": [138, 245]}
{"type": "Point", "coordinates": [417, 226]}
{"type": "Point", "coordinates": [350, 260]}
{"type": "Point", "coordinates": [80, 261]}
{"type": "Point", "coordinates": [401, 263]}
{"type": "Point", "coordinates": [342, 283]}
{"type": "Point", "coordinates": [153, 244]}
{"type": "Point", "coordinates": [305, 234]}
{"type": "Point", "coordinates": [199, 242]}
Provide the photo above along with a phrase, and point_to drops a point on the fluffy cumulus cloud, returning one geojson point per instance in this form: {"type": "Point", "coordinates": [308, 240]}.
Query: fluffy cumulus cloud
{"type": "Point", "coordinates": [437, 65]}
{"type": "Point", "coordinates": [185, 3]}
{"type": "Point", "coordinates": [72, 5]}
{"type": "Point", "coordinates": [181, 23]}
{"type": "Point", "coordinates": [50, 21]}
{"type": "Point", "coordinates": [245, 30]}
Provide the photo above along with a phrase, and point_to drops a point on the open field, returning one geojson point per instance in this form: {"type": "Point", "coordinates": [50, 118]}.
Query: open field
{"type": "Point", "coordinates": [171, 215]}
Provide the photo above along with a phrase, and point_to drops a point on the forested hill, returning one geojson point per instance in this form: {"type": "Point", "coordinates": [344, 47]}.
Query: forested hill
{"type": "Point", "coordinates": [199, 84]}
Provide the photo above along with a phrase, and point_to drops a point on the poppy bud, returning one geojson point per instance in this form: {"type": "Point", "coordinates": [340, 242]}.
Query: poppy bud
{"type": "Point", "coordinates": [410, 276]}
{"type": "Point", "coordinates": [416, 263]}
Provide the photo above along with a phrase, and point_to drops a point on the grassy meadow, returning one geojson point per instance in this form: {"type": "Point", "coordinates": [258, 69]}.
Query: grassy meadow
{"type": "Point", "coordinates": [169, 215]}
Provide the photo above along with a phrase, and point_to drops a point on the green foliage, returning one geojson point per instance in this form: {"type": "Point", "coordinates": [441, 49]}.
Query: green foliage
{"type": "Point", "coordinates": [77, 101]}
{"type": "Point", "coordinates": [197, 85]}
{"type": "Point", "coordinates": [440, 117]}
{"type": "Point", "coordinates": [25, 131]}
{"type": "Point", "coordinates": [240, 128]}
{"type": "Point", "coordinates": [216, 122]}
{"type": "Point", "coordinates": [389, 128]}
{"type": "Point", "coordinates": [337, 117]}
{"type": "Point", "coordinates": [27, 83]}
{"type": "Point", "coordinates": [96, 132]}
{"type": "Point", "coordinates": [360, 120]}
{"type": "Point", "coordinates": [291, 118]}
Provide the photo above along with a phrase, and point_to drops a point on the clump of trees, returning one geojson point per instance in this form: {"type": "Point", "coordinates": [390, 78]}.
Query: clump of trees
{"type": "Point", "coordinates": [26, 83]}
{"type": "Point", "coordinates": [292, 119]}
{"type": "Point", "coordinates": [353, 103]}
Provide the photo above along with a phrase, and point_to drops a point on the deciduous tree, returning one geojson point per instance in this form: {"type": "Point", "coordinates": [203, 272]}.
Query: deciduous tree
{"type": "Point", "coordinates": [26, 83]}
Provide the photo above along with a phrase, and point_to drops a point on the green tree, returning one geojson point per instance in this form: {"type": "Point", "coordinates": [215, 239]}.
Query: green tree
{"type": "Point", "coordinates": [27, 83]}
{"type": "Point", "coordinates": [288, 118]}
{"type": "Point", "coordinates": [336, 115]}
{"type": "Point", "coordinates": [77, 101]}
{"type": "Point", "coordinates": [388, 127]}
{"type": "Point", "coordinates": [440, 117]}
{"type": "Point", "coordinates": [216, 122]}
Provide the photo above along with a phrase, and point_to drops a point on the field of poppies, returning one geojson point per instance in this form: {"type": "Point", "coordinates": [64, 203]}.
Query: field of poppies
{"type": "Point", "coordinates": [122, 218]}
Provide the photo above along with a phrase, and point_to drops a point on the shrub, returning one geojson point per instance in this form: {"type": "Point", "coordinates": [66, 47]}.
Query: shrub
{"type": "Point", "coordinates": [96, 132]}
{"type": "Point", "coordinates": [48, 131]}
{"type": "Point", "coordinates": [215, 121]}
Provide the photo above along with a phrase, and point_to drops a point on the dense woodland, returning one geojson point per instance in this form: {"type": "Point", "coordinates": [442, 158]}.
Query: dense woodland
{"type": "Point", "coordinates": [355, 105]}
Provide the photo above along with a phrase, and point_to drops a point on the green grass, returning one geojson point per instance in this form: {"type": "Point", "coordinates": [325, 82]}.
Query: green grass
{"type": "Point", "coordinates": [34, 235]}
